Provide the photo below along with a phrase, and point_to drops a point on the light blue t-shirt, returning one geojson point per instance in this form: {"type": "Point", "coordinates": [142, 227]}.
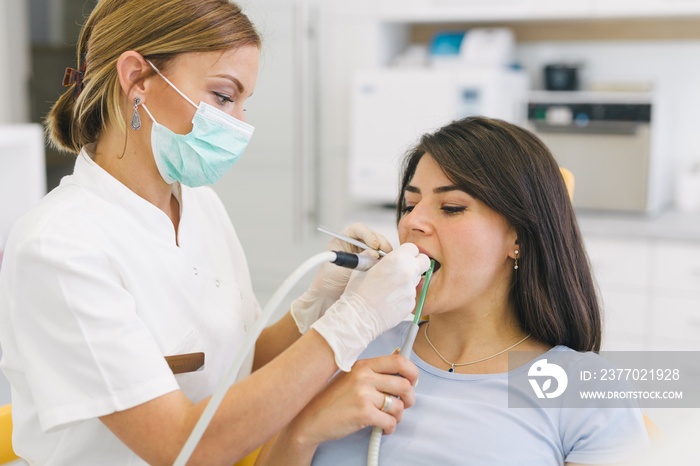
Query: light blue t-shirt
{"type": "Point", "coordinates": [465, 419]}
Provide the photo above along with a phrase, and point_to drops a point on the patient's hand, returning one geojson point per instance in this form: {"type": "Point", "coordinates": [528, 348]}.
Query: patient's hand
{"type": "Point", "coordinates": [351, 401]}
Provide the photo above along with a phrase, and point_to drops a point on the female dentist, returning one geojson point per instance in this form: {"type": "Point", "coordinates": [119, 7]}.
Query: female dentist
{"type": "Point", "coordinates": [130, 259]}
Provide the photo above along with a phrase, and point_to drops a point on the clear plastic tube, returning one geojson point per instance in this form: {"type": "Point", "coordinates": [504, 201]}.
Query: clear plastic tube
{"type": "Point", "coordinates": [375, 439]}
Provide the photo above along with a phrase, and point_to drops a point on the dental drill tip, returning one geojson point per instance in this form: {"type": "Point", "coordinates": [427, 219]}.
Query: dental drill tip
{"type": "Point", "coordinates": [348, 240]}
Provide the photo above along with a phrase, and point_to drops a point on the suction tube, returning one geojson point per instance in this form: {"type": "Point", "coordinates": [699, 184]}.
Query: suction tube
{"type": "Point", "coordinates": [375, 439]}
{"type": "Point", "coordinates": [343, 259]}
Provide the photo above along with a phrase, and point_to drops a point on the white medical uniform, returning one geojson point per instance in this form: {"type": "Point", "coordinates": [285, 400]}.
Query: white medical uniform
{"type": "Point", "coordinates": [95, 291]}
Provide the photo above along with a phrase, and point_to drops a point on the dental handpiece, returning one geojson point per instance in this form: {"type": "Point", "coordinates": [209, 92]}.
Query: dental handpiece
{"type": "Point", "coordinates": [347, 239]}
{"type": "Point", "coordinates": [351, 260]}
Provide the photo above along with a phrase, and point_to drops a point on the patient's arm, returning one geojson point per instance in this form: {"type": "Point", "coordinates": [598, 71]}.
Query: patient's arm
{"type": "Point", "coordinates": [351, 401]}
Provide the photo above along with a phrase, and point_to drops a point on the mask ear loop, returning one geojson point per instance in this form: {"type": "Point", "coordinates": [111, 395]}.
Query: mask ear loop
{"type": "Point", "coordinates": [171, 85]}
{"type": "Point", "coordinates": [149, 113]}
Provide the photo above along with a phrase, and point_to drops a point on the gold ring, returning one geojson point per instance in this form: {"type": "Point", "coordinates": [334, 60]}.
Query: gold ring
{"type": "Point", "coordinates": [387, 402]}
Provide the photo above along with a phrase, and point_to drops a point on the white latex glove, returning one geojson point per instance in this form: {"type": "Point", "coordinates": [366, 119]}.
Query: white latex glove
{"type": "Point", "coordinates": [330, 280]}
{"type": "Point", "coordinates": [373, 302]}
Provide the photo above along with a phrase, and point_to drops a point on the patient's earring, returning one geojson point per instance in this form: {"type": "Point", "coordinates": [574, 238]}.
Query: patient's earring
{"type": "Point", "coordinates": [135, 118]}
{"type": "Point", "coordinates": [516, 260]}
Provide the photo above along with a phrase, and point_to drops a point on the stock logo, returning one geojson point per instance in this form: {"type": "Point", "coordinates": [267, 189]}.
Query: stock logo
{"type": "Point", "coordinates": [542, 370]}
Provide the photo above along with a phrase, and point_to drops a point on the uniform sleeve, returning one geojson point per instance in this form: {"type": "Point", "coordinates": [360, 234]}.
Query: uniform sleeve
{"type": "Point", "coordinates": [604, 435]}
{"type": "Point", "coordinates": [85, 351]}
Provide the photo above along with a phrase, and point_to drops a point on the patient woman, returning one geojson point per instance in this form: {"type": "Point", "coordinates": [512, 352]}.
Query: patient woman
{"type": "Point", "coordinates": [487, 201]}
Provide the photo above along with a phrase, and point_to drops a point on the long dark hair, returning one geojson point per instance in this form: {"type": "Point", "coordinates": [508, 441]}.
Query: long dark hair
{"type": "Point", "coordinates": [511, 171]}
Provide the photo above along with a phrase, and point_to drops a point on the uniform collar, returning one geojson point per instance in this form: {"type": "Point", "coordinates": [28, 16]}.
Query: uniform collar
{"type": "Point", "coordinates": [93, 177]}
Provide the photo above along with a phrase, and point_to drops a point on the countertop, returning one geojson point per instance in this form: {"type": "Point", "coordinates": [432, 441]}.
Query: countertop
{"type": "Point", "coordinates": [667, 225]}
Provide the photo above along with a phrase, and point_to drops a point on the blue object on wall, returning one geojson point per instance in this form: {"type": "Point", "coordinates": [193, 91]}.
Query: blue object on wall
{"type": "Point", "coordinates": [447, 43]}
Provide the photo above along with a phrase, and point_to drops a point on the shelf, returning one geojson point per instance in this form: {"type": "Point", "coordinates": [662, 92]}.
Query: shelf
{"type": "Point", "coordinates": [576, 30]}
{"type": "Point", "coordinates": [478, 10]}
{"type": "Point", "coordinates": [435, 11]}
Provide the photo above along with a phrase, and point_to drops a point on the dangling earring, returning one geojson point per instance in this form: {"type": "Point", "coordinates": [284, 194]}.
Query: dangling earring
{"type": "Point", "coordinates": [516, 260]}
{"type": "Point", "coordinates": [135, 118]}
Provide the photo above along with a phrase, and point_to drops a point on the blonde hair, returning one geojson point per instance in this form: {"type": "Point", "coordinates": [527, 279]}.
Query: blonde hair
{"type": "Point", "coordinates": [158, 30]}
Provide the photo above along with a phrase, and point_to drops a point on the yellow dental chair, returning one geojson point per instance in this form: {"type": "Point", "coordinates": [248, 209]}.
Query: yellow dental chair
{"type": "Point", "coordinates": [7, 454]}
{"type": "Point", "coordinates": [568, 181]}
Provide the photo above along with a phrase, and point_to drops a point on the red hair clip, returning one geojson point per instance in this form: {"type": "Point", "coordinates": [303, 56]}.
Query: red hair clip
{"type": "Point", "coordinates": [72, 76]}
{"type": "Point", "coordinates": [75, 77]}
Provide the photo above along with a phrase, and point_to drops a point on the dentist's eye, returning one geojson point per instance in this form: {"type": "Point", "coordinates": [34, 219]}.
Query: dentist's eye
{"type": "Point", "coordinates": [223, 98]}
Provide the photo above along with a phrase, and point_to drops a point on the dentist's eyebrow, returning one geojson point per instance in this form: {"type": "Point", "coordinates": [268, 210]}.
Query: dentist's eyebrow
{"type": "Point", "coordinates": [235, 81]}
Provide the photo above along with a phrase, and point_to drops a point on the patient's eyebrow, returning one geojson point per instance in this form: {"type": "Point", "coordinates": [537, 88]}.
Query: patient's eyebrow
{"type": "Point", "coordinates": [446, 189]}
{"type": "Point", "coordinates": [438, 190]}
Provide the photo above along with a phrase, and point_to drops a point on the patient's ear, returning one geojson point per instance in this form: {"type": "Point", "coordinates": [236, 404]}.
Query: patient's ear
{"type": "Point", "coordinates": [514, 250]}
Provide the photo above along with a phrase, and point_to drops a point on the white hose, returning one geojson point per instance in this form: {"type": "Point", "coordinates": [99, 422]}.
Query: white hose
{"type": "Point", "coordinates": [375, 439]}
{"type": "Point", "coordinates": [243, 351]}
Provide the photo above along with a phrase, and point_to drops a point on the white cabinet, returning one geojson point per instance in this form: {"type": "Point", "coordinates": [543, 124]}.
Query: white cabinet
{"type": "Point", "coordinates": [426, 11]}
{"type": "Point", "coordinates": [650, 292]}
{"type": "Point", "coordinates": [479, 10]}
{"type": "Point", "coordinates": [444, 10]}
{"type": "Point", "coordinates": [675, 322]}
{"type": "Point", "coordinates": [620, 270]}
{"type": "Point", "coordinates": [620, 264]}
{"type": "Point", "coordinates": [625, 316]}
{"type": "Point", "coordinates": [637, 8]}
{"type": "Point", "coordinates": [677, 267]}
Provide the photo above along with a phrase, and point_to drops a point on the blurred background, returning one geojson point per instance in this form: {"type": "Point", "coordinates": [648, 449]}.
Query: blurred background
{"type": "Point", "coordinates": [345, 88]}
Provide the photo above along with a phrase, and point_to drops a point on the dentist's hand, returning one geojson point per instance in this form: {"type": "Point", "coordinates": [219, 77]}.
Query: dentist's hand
{"type": "Point", "coordinates": [330, 280]}
{"type": "Point", "coordinates": [373, 302]}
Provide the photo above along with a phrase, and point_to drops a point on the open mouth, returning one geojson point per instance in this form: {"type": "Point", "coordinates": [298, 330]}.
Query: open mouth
{"type": "Point", "coordinates": [437, 265]}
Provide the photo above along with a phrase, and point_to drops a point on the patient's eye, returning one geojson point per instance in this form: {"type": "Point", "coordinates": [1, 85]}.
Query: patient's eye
{"type": "Point", "coordinates": [451, 210]}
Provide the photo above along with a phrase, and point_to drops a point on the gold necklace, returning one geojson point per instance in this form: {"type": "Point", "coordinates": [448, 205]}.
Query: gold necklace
{"type": "Point", "coordinates": [454, 364]}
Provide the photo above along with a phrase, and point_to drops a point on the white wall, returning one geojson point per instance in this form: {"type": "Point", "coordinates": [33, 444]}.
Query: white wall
{"type": "Point", "coordinates": [14, 86]}
{"type": "Point", "coordinates": [14, 56]}
{"type": "Point", "coordinates": [273, 194]}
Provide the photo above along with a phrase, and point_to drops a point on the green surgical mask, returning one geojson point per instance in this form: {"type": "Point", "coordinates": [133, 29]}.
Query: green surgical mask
{"type": "Point", "coordinates": [206, 153]}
